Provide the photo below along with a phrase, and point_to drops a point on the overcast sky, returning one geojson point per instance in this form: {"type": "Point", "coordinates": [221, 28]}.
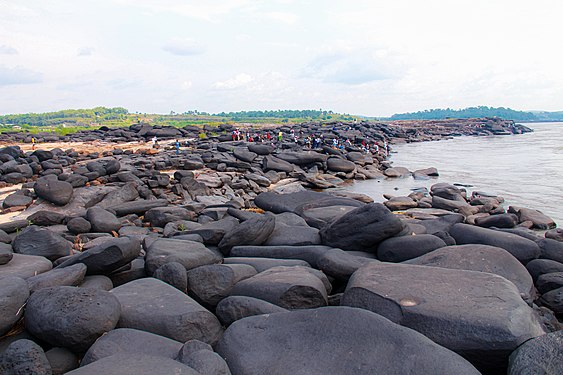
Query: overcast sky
{"type": "Point", "coordinates": [361, 57]}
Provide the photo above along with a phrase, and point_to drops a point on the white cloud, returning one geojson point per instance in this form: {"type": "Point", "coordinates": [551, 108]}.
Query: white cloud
{"type": "Point", "coordinates": [238, 81]}
{"type": "Point", "coordinates": [85, 51]}
{"type": "Point", "coordinates": [284, 17]}
{"type": "Point", "coordinates": [184, 47]}
{"type": "Point", "coordinates": [18, 76]}
{"type": "Point", "coordinates": [7, 50]}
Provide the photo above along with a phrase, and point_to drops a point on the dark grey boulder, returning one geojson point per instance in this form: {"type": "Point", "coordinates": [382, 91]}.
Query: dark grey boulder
{"type": "Point", "coordinates": [5, 237]}
{"type": "Point", "coordinates": [46, 218]}
{"type": "Point", "coordinates": [102, 221]}
{"type": "Point", "coordinates": [279, 203]}
{"type": "Point", "coordinates": [154, 306]}
{"type": "Point", "coordinates": [336, 164]}
{"type": "Point", "coordinates": [499, 221]}
{"type": "Point", "coordinates": [551, 249]}
{"type": "Point", "coordinates": [190, 254]}
{"type": "Point", "coordinates": [523, 249]}
{"type": "Point", "coordinates": [106, 257]}
{"type": "Point", "coordinates": [485, 311]}
{"type": "Point", "coordinates": [16, 200]}
{"type": "Point", "coordinates": [233, 308]}
{"type": "Point", "coordinates": [539, 219]}
{"type": "Point", "coordinates": [131, 341]}
{"type": "Point", "coordinates": [244, 154]}
{"type": "Point", "coordinates": [173, 273]}
{"type": "Point", "coordinates": [555, 234]}
{"type": "Point", "coordinates": [262, 264]}
{"type": "Point", "coordinates": [97, 282]}
{"type": "Point", "coordinates": [554, 301]}
{"type": "Point", "coordinates": [549, 281]}
{"type": "Point", "coordinates": [271, 163]}
{"type": "Point", "coordinates": [6, 253]}
{"type": "Point", "coordinates": [362, 229]}
{"type": "Point", "coordinates": [399, 249]}
{"type": "Point", "coordinates": [126, 193]}
{"type": "Point", "coordinates": [482, 258]}
{"type": "Point", "coordinates": [538, 267]}
{"type": "Point", "coordinates": [24, 357]}
{"type": "Point", "coordinates": [160, 216]}
{"type": "Point", "coordinates": [54, 191]}
{"type": "Point", "coordinates": [13, 295]}
{"type": "Point", "coordinates": [134, 272]}
{"type": "Point", "coordinates": [25, 266]}
{"type": "Point", "coordinates": [294, 235]}
{"type": "Point", "coordinates": [310, 254]}
{"type": "Point", "coordinates": [78, 225]}
{"type": "Point", "coordinates": [261, 149]}
{"type": "Point", "coordinates": [134, 364]}
{"type": "Point", "coordinates": [542, 355]}
{"type": "Point", "coordinates": [254, 231]}
{"type": "Point", "coordinates": [61, 360]}
{"type": "Point", "coordinates": [69, 276]}
{"type": "Point", "coordinates": [202, 359]}
{"type": "Point", "coordinates": [400, 203]}
{"type": "Point", "coordinates": [35, 240]}
{"type": "Point", "coordinates": [138, 207]}
{"type": "Point", "coordinates": [304, 342]}
{"type": "Point", "coordinates": [212, 283]}
{"type": "Point", "coordinates": [212, 233]}
{"type": "Point", "coordinates": [341, 264]}
{"type": "Point", "coordinates": [71, 317]}
{"type": "Point", "coordinates": [289, 287]}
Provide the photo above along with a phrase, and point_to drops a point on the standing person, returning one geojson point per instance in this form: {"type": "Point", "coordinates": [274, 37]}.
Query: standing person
{"type": "Point", "coordinates": [177, 144]}
{"type": "Point", "coordinates": [33, 143]}
{"type": "Point", "coordinates": [280, 136]}
{"type": "Point", "coordinates": [154, 141]}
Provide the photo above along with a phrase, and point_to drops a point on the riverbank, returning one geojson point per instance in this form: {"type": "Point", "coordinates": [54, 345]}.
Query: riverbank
{"type": "Point", "coordinates": [183, 251]}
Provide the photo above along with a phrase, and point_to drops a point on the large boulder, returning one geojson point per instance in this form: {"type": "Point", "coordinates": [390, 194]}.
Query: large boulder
{"type": "Point", "coordinates": [54, 191]}
{"type": "Point", "coordinates": [102, 221]}
{"type": "Point", "coordinates": [25, 266]}
{"type": "Point", "coordinates": [542, 355]}
{"type": "Point", "coordinates": [106, 257]}
{"type": "Point", "coordinates": [539, 219]}
{"type": "Point", "coordinates": [341, 264]}
{"type": "Point", "coordinates": [362, 229]}
{"type": "Point", "coordinates": [134, 364]}
{"type": "Point", "coordinates": [332, 340]}
{"type": "Point", "coordinates": [128, 340]}
{"type": "Point", "coordinates": [398, 249]}
{"type": "Point", "coordinates": [190, 254]}
{"type": "Point", "coordinates": [160, 216]}
{"type": "Point", "coordinates": [212, 283]}
{"type": "Point", "coordinates": [154, 306]}
{"type": "Point", "coordinates": [476, 314]}
{"type": "Point", "coordinates": [71, 317]}
{"type": "Point", "coordinates": [309, 254]}
{"type": "Point", "coordinates": [336, 164]}
{"type": "Point", "coordinates": [554, 301]}
{"type": "Point", "coordinates": [522, 248]}
{"type": "Point", "coordinates": [35, 240]}
{"type": "Point", "coordinates": [289, 287]}
{"type": "Point", "coordinates": [13, 294]}
{"type": "Point", "coordinates": [234, 308]}
{"type": "Point", "coordinates": [69, 276]}
{"type": "Point", "coordinates": [254, 231]}
{"type": "Point", "coordinates": [173, 273]}
{"type": "Point", "coordinates": [482, 258]}
{"type": "Point", "coordinates": [24, 357]}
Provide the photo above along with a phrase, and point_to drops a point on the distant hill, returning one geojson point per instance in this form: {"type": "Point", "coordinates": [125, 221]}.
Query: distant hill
{"type": "Point", "coordinates": [481, 111]}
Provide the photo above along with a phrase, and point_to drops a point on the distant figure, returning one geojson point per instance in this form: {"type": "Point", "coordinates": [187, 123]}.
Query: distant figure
{"type": "Point", "coordinates": [154, 141]}
{"type": "Point", "coordinates": [177, 144]}
{"type": "Point", "coordinates": [280, 136]}
{"type": "Point", "coordinates": [32, 143]}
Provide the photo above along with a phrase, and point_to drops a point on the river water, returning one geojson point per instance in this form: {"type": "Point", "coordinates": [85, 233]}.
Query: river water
{"type": "Point", "coordinates": [527, 170]}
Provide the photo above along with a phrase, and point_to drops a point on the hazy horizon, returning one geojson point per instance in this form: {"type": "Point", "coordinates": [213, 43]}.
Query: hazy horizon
{"type": "Point", "coordinates": [368, 58]}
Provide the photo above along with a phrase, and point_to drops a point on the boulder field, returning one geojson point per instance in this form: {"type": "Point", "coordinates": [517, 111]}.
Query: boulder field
{"type": "Point", "coordinates": [222, 259]}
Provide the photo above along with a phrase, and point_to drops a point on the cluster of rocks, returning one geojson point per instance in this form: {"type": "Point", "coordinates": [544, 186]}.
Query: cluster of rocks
{"type": "Point", "coordinates": [219, 261]}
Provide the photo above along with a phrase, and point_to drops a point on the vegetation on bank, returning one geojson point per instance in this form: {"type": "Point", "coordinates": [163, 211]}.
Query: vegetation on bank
{"type": "Point", "coordinates": [478, 112]}
{"type": "Point", "coordinates": [71, 120]}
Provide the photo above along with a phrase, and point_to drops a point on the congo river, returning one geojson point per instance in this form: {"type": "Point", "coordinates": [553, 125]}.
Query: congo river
{"type": "Point", "coordinates": [527, 169]}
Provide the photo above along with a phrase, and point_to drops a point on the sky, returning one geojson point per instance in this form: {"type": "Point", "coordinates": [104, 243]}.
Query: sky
{"type": "Point", "coordinates": [361, 57]}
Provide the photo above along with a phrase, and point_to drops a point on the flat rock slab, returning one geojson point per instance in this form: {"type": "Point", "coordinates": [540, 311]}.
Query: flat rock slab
{"type": "Point", "coordinates": [542, 355]}
{"type": "Point", "coordinates": [135, 364]}
{"type": "Point", "coordinates": [522, 248]}
{"type": "Point", "coordinates": [482, 258]}
{"type": "Point", "coordinates": [477, 314]}
{"type": "Point", "coordinates": [128, 340]}
{"type": "Point", "coordinates": [289, 287]}
{"type": "Point", "coordinates": [35, 240]}
{"type": "Point", "coordinates": [333, 340]}
{"type": "Point", "coordinates": [262, 264]}
{"type": "Point", "coordinates": [309, 254]}
{"type": "Point", "coordinates": [13, 294]}
{"type": "Point", "coordinates": [234, 308]}
{"type": "Point", "coordinates": [25, 266]}
{"type": "Point", "coordinates": [190, 254]}
{"type": "Point", "coordinates": [70, 276]}
{"type": "Point", "coordinates": [71, 317]}
{"type": "Point", "coordinates": [154, 306]}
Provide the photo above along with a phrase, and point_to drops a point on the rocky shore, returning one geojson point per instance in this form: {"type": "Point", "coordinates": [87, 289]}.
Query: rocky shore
{"type": "Point", "coordinates": [227, 250]}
